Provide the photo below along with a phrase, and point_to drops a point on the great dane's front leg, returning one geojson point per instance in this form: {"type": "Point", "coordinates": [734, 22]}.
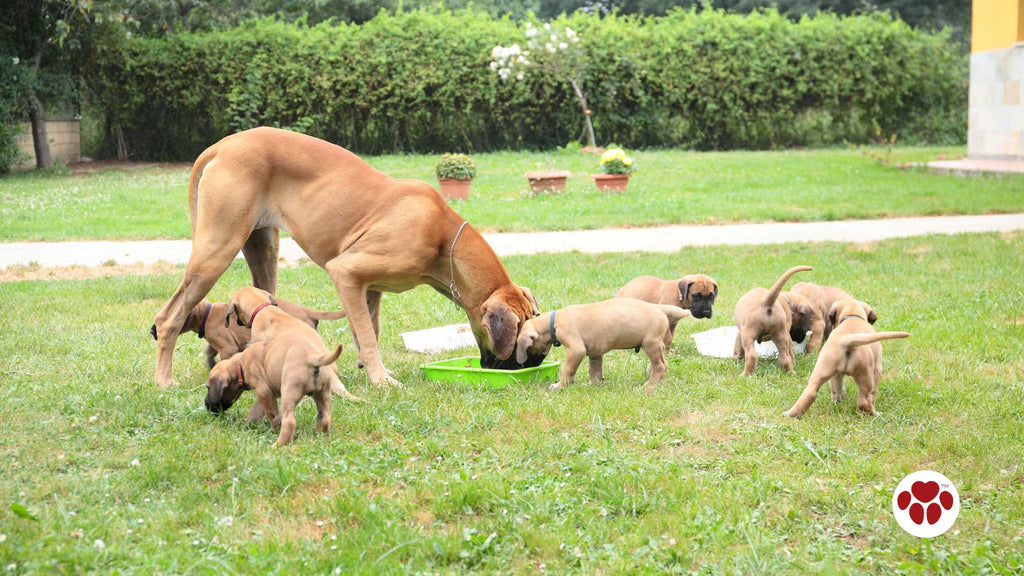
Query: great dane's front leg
{"type": "Point", "coordinates": [170, 318]}
{"type": "Point", "coordinates": [373, 305]}
{"type": "Point", "coordinates": [353, 299]}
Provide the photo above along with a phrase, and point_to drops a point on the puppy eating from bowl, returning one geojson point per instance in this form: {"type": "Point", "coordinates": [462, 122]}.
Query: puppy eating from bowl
{"type": "Point", "coordinates": [592, 330]}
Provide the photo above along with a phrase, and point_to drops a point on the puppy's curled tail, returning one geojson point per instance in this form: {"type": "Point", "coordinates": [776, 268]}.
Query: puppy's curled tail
{"type": "Point", "coordinates": [329, 358]}
{"type": "Point", "coordinates": [776, 289]}
{"type": "Point", "coordinates": [325, 315]}
{"type": "Point", "coordinates": [854, 340]}
{"type": "Point", "coordinates": [674, 313]}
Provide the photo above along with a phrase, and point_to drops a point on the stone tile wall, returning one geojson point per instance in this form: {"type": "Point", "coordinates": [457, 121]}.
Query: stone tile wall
{"type": "Point", "coordinates": [64, 135]}
{"type": "Point", "coordinates": [996, 115]}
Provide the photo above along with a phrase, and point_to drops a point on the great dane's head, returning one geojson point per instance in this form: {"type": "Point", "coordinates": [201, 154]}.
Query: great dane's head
{"type": "Point", "coordinates": [500, 318]}
{"type": "Point", "coordinates": [225, 384]}
{"type": "Point", "coordinates": [697, 294]}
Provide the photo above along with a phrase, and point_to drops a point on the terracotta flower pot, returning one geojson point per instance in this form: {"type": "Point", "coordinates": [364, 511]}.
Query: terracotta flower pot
{"type": "Point", "coordinates": [549, 181]}
{"type": "Point", "coordinates": [454, 189]}
{"type": "Point", "coordinates": [611, 182]}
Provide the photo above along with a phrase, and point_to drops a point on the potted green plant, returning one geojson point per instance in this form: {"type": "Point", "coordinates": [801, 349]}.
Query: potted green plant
{"type": "Point", "coordinates": [547, 180]}
{"type": "Point", "coordinates": [455, 172]}
{"type": "Point", "coordinates": [616, 168]}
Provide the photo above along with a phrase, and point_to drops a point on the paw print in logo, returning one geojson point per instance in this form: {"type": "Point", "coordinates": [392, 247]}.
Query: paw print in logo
{"type": "Point", "coordinates": [925, 504]}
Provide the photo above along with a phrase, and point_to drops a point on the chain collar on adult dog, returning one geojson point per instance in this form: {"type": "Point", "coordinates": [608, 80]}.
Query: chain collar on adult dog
{"type": "Point", "coordinates": [451, 263]}
{"type": "Point", "coordinates": [206, 316]}
{"type": "Point", "coordinates": [551, 327]}
{"type": "Point", "coordinates": [851, 316]}
{"type": "Point", "coordinates": [257, 311]}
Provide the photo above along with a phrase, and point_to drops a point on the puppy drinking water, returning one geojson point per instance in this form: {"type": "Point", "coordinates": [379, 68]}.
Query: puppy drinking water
{"type": "Point", "coordinates": [853, 350]}
{"type": "Point", "coordinates": [591, 330]}
{"type": "Point", "coordinates": [760, 315]}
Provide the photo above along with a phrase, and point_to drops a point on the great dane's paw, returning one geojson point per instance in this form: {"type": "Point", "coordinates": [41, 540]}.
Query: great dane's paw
{"type": "Point", "coordinates": [790, 414]}
{"type": "Point", "coordinates": [650, 388]}
{"type": "Point", "coordinates": [837, 399]}
{"type": "Point", "coordinates": [388, 382]}
{"type": "Point", "coordinates": [555, 386]}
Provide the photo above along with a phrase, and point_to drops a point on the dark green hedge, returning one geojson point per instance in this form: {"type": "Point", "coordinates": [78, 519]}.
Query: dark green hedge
{"type": "Point", "coordinates": [420, 81]}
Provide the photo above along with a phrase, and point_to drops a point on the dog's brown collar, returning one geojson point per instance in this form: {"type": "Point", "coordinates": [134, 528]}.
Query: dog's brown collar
{"type": "Point", "coordinates": [788, 303]}
{"type": "Point", "coordinates": [451, 263]}
{"type": "Point", "coordinates": [206, 316]}
{"type": "Point", "coordinates": [851, 316]}
{"type": "Point", "coordinates": [257, 311]}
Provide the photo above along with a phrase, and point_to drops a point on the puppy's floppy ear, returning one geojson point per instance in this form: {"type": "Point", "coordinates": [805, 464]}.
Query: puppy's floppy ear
{"type": "Point", "coordinates": [833, 314]}
{"type": "Point", "coordinates": [872, 317]}
{"type": "Point", "coordinates": [534, 307]}
{"type": "Point", "coordinates": [501, 324]}
{"type": "Point", "coordinates": [227, 315]}
{"type": "Point", "coordinates": [527, 336]}
{"type": "Point", "coordinates": [684, 290]}
{"type": "Point", "coordinates": [714, 293]}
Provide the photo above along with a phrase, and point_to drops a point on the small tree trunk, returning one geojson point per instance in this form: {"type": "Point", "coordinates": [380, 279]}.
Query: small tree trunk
{"type": "Point", "coordinates": [120, 144]}
{"type": "Point", "coordinates": [35, 115]}
{"type": "Point", "coordinates": [588, 126]}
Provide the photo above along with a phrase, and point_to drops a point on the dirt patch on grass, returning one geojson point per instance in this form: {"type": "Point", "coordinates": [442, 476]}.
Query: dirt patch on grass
{"type": "Point", "coordinates": [36, 272]}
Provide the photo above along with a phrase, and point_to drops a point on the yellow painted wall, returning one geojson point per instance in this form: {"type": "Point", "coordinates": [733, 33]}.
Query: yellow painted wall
{"type": "Point", "coordinates": [996, 24]}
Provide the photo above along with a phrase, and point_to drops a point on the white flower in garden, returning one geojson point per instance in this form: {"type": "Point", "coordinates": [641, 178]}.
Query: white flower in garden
{"type": "Point", "coordinates": [554, 37]}
{"type": "Point", "coordinates": [494, 65]}
{"type": "Point", "coordinates": [569, 32]}
{"type": "Point", "coordinates": [530, 30]}
{"type": "Point", "coordinates": [549, 47]}
{"type": "Point", "coordinates": [99, 545]}
{"type": "Point", "coordinates": [547, 26]}
{"type": "Point", "coordinates": [519, 76]}
{"type": "Point", "coordinates": [495, 52]}
{"type": "Point", "coordinates": [562, 45]}
{"type": "Point", "coordinates": [15, 60]}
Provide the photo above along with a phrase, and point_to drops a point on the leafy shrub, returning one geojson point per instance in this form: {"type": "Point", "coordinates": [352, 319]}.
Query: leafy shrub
{"type": "Point", "coordinates": [421, 81]}
{"type": "Point", "coordinates": [15, 79]}
{"type": "Point", "coordinates": [455, 167]}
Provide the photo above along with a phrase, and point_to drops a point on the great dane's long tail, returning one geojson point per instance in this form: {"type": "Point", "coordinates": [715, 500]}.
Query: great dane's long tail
{"type": "Point", "coordinates": [776, 289]}
{"type": "Point", "coordinates": [193, 183]}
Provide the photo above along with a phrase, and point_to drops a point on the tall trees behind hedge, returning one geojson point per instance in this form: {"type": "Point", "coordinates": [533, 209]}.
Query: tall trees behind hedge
{"type": "Point", "coordinates": [420, 81]}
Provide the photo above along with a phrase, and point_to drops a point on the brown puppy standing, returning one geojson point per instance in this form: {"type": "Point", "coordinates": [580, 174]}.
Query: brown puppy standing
{"type": "Point", "coordinates": [232, 339]}
{"type": "Point", "coordinates": [279, 368]}
{"type": "Point", "coordinates": [592, 330]}
{"type": "Point", "coordinates": [695, 292]}
{"type": "Point", "coordinates": [820, 300]}
{"type": "Point", "coordinates": [853, 350]}
{"type": "Point", "coordinates": [255, 308]}
{"type": "Point", "coordinates": [370, 232]}
{"type": "Point", "coordinates": [760, 315]}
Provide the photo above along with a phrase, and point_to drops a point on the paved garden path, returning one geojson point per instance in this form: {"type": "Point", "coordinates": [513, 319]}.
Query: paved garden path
{"type": "Point", "coordinates": [660, 239]}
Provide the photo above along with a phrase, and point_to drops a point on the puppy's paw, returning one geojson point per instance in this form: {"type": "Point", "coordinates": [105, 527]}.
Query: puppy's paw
{"type": "Point", "coordinates": [555, 386]}
{"type": "Point", "coordinates": [650, 388]}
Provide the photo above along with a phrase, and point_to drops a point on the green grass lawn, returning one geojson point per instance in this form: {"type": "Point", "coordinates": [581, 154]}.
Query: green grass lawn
{"type": "Point", "coordinates": [671, 187]}
{"type": "Point", "coordinates": [704, 475]}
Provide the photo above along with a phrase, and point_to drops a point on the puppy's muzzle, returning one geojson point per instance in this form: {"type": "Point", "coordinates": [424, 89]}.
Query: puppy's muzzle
{"type": "Point", "coordinates": [152, 330]}
{"type": "Point", "coordinates": [701, 311]}
{"type": "Point", "coordinates": [797, 334]}
{"type": "Point", "coordinates": [490, 361]}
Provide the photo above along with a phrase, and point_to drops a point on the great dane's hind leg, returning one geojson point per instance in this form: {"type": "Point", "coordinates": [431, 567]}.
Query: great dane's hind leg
{"type": "Point", "coordinates": [260, 251]}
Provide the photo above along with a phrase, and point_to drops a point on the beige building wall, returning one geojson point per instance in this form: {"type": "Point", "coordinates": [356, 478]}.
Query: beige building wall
{"type": "Point", "coordinates": [995, 126]}
{"type": "Point", "coordinates": [64, 135]}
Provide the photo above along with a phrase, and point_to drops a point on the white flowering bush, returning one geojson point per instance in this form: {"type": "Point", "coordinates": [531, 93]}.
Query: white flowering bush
{"type": "Point", "coordinates": [552, 50]}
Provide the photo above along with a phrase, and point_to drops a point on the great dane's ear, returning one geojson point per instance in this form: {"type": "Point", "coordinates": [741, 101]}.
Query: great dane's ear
{"type": "Point", "coordinates": [501, 324]}
{"type": "Point", "coordinates": [833, 314]}
{"type": "Point", "coordinates": [684, 291]}
{"type": "Point", "coordinates": [527, 336]}
{"type": "Point", "coordinates": [534, 307]}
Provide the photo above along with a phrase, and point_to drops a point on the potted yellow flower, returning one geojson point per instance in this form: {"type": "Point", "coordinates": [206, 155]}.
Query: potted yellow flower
{"type": "Point", "coordinates": [454, 173]}
{"type": "Point", "coordinates": [616, 168]}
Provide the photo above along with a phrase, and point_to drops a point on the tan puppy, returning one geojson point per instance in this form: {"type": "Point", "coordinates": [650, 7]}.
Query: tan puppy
{"type": "Point", "coordinates": [370, 232]}
{"type": "Point", "coordinates": [256, 309]}
{"type": "Point", "coordinates": [232, 339]}
{"type": "Point", "coordinates": [805, 318]}
{"type": "Point", "coordinates": [695, 292]}
{"type": "Point", "coordinates": [853, 350]}
{"type": "Point", "coordinates": [280, 368]}
{"type": "Point", "coordinates": [820, 299]}
{"type": "Point", "coordinates": [760, 315]}
{"type": "Point", "coordinates": [592, 330]}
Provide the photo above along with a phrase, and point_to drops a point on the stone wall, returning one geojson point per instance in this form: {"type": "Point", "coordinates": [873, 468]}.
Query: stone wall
{"type": "Point", "coordinates": [64, 135]}
{"type": "Point", "coordinates": [996, 114]}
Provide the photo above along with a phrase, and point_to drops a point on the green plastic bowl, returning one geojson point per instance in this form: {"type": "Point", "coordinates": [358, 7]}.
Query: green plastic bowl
{"type": "Point", "coordinates": [467, 369]}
